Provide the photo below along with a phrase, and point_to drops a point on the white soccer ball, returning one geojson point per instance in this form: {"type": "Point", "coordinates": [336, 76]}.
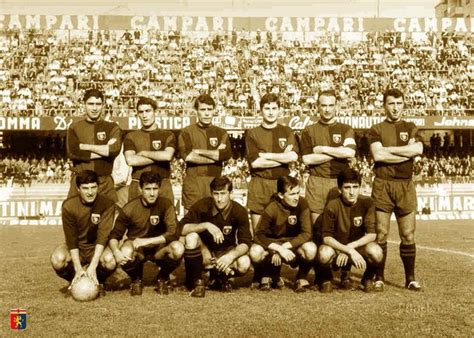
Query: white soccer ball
{"type": "Point", "coordinates": [84, 289]}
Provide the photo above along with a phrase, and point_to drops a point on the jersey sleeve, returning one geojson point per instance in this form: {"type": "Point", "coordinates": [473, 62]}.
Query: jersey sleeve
{"type": "Point", "coordinates": [72, 145]}
{"type": "Point", "coordinates": [415, 133]}
{"type": "Point", "coordinates": [251, 148]}
{"type": "Point", "coordinates": [128, 143]}
{"type": "Point", "coordinates": [243, 233]}
{"type": "Point", "coordinates": [226, 153]}
{"type": "Point", "coordinates": [374, 135]}
{"type": "Point", "coordinates": [120, 227]}
{"type": "Point", "coordinates": [306, 143]}
{"type": "Point", "coordinates": [114, 149]}
{"type": "Point", "coordinates": [70, 229]}
{"type": "Point", "coordinates": [185, 145]}
{"type": "Point", "coordinates": [171, 141]}
{"type": "Point", "coordinates": [263, 231]}
{"type": "Point", "coordinates": [192, 217]}
{"type": "Point", "coordinates": [171, 233]}
{"type": "Point", "coordinates": [349, 138]}
{"type": "Point", "coordinates": [306, 229]}
{"type": "Point", "coordinates": [105, 226]}
{"type": "Point", "coordinates": [292, 140]}
{"type": "Point", "coordinates": [329, 221]}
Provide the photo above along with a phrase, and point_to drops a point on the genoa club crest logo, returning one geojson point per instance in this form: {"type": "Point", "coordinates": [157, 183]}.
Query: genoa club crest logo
{"type": "Point", "coordinates": [227, 229]}
{"type": "Point", "coordinates": [358, 221]}
{"type": "Point", "coordinates": [282, 142]}
{"type": "Point", "coordinates": [336, 138]}
{"type": "Point", "coordinates": [101, 135]}
{"type": "Point", "coordinates": [154, 219]}
{"type": "Point", "coordinates": [95, 218]}
{"type": "Point", "coordinates": [292, 219]}
{"type": "Point", "coordinates": [18, 319]}
{"type": "Point", "coordinates": [213, 141]}
{"type": "Point", "coordinates": [404, 136]}
{"type": "Point", "coordinates": [156, 144]}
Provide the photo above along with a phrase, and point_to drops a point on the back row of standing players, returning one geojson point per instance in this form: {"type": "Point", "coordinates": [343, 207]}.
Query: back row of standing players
{"type": "Point", "coordinates": [324, 228]}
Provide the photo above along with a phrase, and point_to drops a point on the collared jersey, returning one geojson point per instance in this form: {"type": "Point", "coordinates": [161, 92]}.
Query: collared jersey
{"type": "Point", "coordinates": [347, 223]}
{"type": "Point", "coordinates": [209, 138]}
{"type": "Point", "coordinates": [233, 222]}
{"type": "Point", "coordinates": [281, 223]}
{"type": "Point", "coordinates": [156, 140]}
{"type": "Point", "coordinates": [333, 135]}
{"type": "Point", "coordinates": [394, 134]}
{"type": "Point", "coordinates": [140, 221]}
{"type": "Point", "coordinates": [86, 225]}
{"type": "Point", "coordinates": [98, 133]}
{"type": "Point", "coordinates": [275, 140]}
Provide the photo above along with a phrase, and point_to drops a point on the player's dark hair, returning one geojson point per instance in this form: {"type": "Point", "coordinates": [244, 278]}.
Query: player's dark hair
{"type": "Point", "coordinates": [221, 183]}
{"type": "Point", "coordinates": [286, 183]}
{"type": "Point", "coordinates": [206, 99]}
{"type": "Point", "coordinates": [146, 100]}
{"type": "Point", "coordinates": [269, 98]}
{"type": "Point", "coordinates": [86, 177]}
{"type": "Point", "coordinates": [93, 93]}
{"type": "Point", "coordinates": [396, 93]}
{"type": "Point", "coordinates": [149, 177]}
{"type": "Point", "coordinates": [348, 176]}
{"type": "Point", "coordinates": [329, 92]}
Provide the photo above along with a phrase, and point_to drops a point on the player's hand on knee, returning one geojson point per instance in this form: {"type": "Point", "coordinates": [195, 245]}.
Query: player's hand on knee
{"type": "Point", "coordinates": [139, 242]}
{"type": "Point", "coordinates": [223, 263]}
{"type": "Point", "coordinates": [357, 260]}
{"type": "Point", "coordinates": [121, 258]}
{"type": "Point", "coordinates": [342, 259]}
{"type": "Point", "coordinates": [215, 232]}
{"type": "Point", "coordinates": [287, 254]}
{"type": "Point", "coordinates": [276, 259]}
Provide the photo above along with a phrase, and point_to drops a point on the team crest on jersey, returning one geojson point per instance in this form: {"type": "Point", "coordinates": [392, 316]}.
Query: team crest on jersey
{"type": "Point", "coordinates": [358, 221]}
{"type": "Point", "coordinates": [227, 229]}
{"type": "Point", "coordinates": [101, 135]}
{"type": "Point", "coordinates": [282, 142]}
{"type": "Point", "coordinates": [404, 136]}
{"type": "Point", "coordinates": [154, 219]}
{"type": "Point", "coordinates": [213, 141]}
{"type": "Point", "coordinates": [336, 138]}
{"type": "Point", "coordinates": [95, 218]}
{"type": "Point", "coordinates": [292, 219]}
{"type": "Point", "coordinates": [156, 144]}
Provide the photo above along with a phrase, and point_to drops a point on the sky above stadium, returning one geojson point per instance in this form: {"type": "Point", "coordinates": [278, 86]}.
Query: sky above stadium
{"type": "Point", "coordinates": [353, 8]}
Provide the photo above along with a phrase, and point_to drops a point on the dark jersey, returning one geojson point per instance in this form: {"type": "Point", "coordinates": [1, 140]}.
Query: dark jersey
{"type": "Point", "coordinates": [233, 222]}
{"type": "Point", "coordinates": [209, 138]}
{"type": "Point", "coordinates": [86, 225]}
{"type": "Point", "coordinates": [140, 221]}
{"type": "Point", "coordinates": [333, 135]}
{"type": "Point", "coordinates": [392, 134]}
{"type": "Point", "coordinates": [156, 140]}
{"type": "Point", "coordinates": [281, 223]}
{"type": "Point", "coordinates": [98, 133]}
{"type": "Point", "coordinates": [260, 139]}
{"type": "Point", "coordinates": [347, 223]}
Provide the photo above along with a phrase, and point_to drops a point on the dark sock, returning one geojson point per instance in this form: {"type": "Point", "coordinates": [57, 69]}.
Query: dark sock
{"type": "Point", "coordinates": [369, 272]}
{"type": "Point", "coordinates": [379, 271]}
{"type": "Point", "coordinates": [102, 274]}
{"type": "Point", "coordinates": [257, 272]}
{"type": "Point", "coordinates": [345, 271]}
{"type": "Point", "coordinates": [408, 255]}
{"type": "Point", "coordinates": [193, 265]}
{"type": "Point", "coordinates": [134, 269]}
{"type": "Point", "coordinates": [323, 273]}
{"type": "Point", "coordinates": [167, 266]}
{"type": "Point", "coordinates": [304, 267]}
{"type": "Point", "coordinates": [67, 272]}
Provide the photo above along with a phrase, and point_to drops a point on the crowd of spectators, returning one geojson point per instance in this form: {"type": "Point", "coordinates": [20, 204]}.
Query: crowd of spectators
{"type": "Point", "coordinates": [43, 73]}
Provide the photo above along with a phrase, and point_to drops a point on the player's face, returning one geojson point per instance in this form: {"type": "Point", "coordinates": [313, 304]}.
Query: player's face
{"type": "Point", "coordinates": [88, 192]}
{"type": "Point", "coordinates": [146, 113]}
{"type": "Point", "coordinates": [270, 112]}
{"type": "Point", "coordinates": [150, 192]}
{"type": "Point", "coordinates": [94, 107]}
{"type": "Point", "coordinates": [291, 196]}
{"type": "Point", "coordinates": [205, 112]}
{"type": "Point", "coordinates": [350, 192]}
{"type": "Point", "coordinates": [394, 108]}
{"type": "Point", "coordinates": [327, 108]}
{"type": "Point", "coordinates": [221, 198]}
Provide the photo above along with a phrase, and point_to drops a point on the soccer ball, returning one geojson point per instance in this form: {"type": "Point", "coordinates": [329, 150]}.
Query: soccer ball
{"type": "Point", "coordinates": [84, 289]}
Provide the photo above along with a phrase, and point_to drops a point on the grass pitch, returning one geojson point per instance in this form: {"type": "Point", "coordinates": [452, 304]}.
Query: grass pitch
{"type": "Point", "coordinates": [444, 308]}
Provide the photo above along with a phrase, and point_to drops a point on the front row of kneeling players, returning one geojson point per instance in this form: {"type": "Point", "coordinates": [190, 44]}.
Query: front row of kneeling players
{"type": "Point", "coordinates": [215, 236]}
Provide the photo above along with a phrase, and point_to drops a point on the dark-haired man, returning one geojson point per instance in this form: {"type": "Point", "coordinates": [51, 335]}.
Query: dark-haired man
{"type": "Point", "coordinates": [217, 235]}
{"type": "Point", "coordinates": [347, 233]}
{"type": "Point", "coordinates": [87, 222]}
{"type": "Point", "coordinates": [149, 221]}
{"type": "Point", "coordinates": [394, 143]}
{"type": "Point", "coordinates": [93, 144]}
{"type": "Point", "coordinates": [149, 150]}
{"type": "Point", "coordinates": [204, 147]}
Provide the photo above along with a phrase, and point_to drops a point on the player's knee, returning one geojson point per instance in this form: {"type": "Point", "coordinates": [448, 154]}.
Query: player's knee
{"type": "Point", "coordinates": [374, 253]}
{"type": "Point", "coordinates": [192, 241]}
{"type": "Point", "coordinates": [243, 264]}
{"type": "Point", "coordinates": [58, 259]}
{"type": "Point", "coordinates": [256, 253]}
{"type": "Point", "coordinates": [408, 237]}
{"type": "Point", "coordinates": [308, 251]}
{"type": "Point", "coordinates": [326, 254]}
{"type": "Point", "coordinates": [176, 250]}
{"type": "Point", "coordinates": [127, 249]}
{"type": "Point", "coordinates": [108, 261]}
{"type": "Point", "coordinates": [382, 236]}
